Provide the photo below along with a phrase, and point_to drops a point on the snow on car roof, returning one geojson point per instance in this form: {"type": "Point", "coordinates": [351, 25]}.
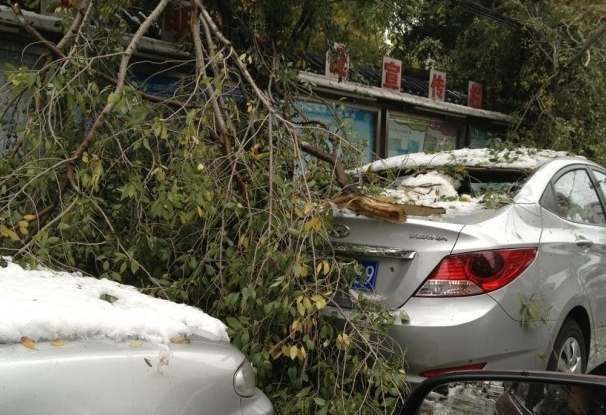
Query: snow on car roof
{"type": "Point", "coordinates": [522, 158]}
{"type": "Point", "coordinates": [42, 305]}
{"type": "Point", "coordinates": [437, 189]}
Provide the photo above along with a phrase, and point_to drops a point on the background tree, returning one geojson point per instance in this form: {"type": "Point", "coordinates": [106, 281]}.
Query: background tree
{"type": "Point", "coordinates": [526, 56]}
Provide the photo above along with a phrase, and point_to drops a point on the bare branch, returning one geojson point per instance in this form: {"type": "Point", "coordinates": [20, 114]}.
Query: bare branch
{"type": "Point", "coordinates": [83, 12]}
{"type": "Point", "coordinates": [212, 95]}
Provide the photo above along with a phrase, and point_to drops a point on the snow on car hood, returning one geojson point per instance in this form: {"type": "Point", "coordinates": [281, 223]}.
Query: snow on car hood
{"type": "Point", "coordinates": [46, 305]}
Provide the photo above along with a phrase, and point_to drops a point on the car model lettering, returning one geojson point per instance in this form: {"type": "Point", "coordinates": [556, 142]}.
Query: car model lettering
{"type": "Point", "coordinates": [428, 237]}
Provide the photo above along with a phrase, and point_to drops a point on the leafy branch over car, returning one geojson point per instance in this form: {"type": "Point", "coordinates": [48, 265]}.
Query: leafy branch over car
{"type": "Point", "coordinates": [191, 197]}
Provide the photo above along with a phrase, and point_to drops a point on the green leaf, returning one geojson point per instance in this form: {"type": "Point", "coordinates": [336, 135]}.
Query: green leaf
{"type": "Point", "coordinates": [113, 98]}
{"type": "Point", "coordinates": [109, 298]}
{"type": "Point", "coordinates": [301, 309]}
{"type": "Point", "coordinates": [234, 323]}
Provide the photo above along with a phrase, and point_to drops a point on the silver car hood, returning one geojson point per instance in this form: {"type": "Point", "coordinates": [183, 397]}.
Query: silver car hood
{"type": "Point", "coordinates": [140, 377]}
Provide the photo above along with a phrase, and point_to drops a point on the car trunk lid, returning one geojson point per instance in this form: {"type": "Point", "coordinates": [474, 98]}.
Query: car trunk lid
{"type": "Point", "coordinates": [397, 258]}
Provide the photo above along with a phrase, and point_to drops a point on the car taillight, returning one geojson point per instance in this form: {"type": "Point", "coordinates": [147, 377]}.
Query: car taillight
{"type": "Point", "coordinates": [476, 272]}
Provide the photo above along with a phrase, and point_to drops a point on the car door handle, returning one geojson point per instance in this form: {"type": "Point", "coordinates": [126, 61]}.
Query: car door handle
{"type": "Point", "coordinates": [584, 243]}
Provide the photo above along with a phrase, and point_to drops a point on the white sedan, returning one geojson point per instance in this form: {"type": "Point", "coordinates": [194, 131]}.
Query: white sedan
{"type": "Point", "coordinates": [71, 344]}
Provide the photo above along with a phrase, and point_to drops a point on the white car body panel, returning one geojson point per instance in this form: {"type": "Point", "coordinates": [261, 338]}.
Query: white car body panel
{"type": "Point", "coordinates": [99, 377]}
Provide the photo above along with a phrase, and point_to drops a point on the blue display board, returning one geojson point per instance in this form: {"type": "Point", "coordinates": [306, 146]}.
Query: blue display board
{"type": "Point", "coordinates": [357, 126]}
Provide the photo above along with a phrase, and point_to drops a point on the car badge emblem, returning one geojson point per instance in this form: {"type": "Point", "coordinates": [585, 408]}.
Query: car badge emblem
{"type": "Point", "coordinates": [339, 231]}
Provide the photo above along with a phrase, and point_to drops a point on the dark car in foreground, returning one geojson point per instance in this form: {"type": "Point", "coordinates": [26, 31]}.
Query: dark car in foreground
{"type": "Point", "coordinates": [524, 393]}
{"type": "Point", "coordinates": [507, 270]}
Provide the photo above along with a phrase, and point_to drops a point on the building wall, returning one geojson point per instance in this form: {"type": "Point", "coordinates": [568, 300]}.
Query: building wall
{"type": "Point", "coordinates": [395, 129]}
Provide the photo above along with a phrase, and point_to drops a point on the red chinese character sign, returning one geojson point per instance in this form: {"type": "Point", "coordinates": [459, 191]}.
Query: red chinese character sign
{"type": "Point", "coordinates": [392, 73]}
{"type": "Point", "coordinates": [437, 85]}
{"type": "Point", "coordinates": [50, 7]}
{"type": "Point", "coordinates": [176, 22]}
{"type": "Point", "coordinates": [474, 95]}
{"type": "Point", "coordinates": [337, 61]}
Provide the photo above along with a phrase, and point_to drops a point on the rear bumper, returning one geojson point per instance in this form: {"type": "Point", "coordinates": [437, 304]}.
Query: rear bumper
{"type": "Point", "coordinates": [443, 333]}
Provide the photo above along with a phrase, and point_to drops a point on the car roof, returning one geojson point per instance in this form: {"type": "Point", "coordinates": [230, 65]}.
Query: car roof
{"type": "Point", "coordinates": [524, 158]}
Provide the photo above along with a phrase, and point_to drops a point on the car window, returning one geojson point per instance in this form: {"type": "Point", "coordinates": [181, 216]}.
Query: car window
{"type": "Point", "coordinates": [577, 199]}
{"type": "Point", "coordinates": [483, 180]}
{"type": "Point", "coordinates": [601, 177]}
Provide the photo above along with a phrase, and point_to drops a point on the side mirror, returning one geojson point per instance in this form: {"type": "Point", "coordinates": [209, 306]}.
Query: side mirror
{"type": "Point", "coordinates": [487, 392]}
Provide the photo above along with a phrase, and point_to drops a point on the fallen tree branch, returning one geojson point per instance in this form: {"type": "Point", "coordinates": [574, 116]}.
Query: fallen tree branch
{"type": "Point", "coordinates": [389, 212]}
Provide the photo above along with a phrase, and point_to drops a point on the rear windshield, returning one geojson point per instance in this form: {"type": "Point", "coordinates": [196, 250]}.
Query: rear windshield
{"type": "Point", "coordinates": [474, 181]}
{"type": "Point", "coordinates": [452, 187]}
{"type": "Point", "coordinates": [480, 181]}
